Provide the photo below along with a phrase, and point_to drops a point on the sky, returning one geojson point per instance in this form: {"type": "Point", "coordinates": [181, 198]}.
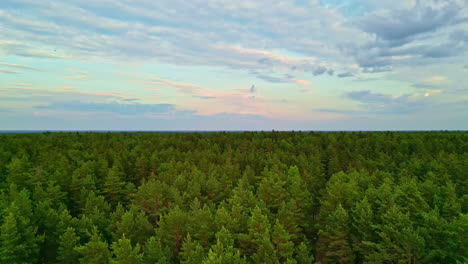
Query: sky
{"type": "Point", "coordinates": [234, 65]}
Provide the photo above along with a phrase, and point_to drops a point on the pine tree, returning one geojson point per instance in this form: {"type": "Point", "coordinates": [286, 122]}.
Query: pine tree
{"type": "Point", "coordinates": [20, 172]}
{"type": "Point", "coordinates": [334, 238]}
{"type": "Point", "coordinates": [192, 252]}
{"type": "Point", "coordinates": [223, 252]}
{"type": "Point", "coordinates": [398, 240]}
{"type": "Point", "coordinates": [67, 253]}
{"type": "Point", "coordinates": [303, 254]}
{"type": "Point", "coordinates": [124, 253]}
{"type": "Point", "coordinates": [11, 250]}
{"type": "Point", "coordinates": [134, 225]}
{"type": "Point", "coordinates": [154, 253]}
{"type": "Point", "coordinates": [173, 228]}
{"type": "Point", "coordinates": [19, 240]}
{"type": "Point", "coordinates": [202, 228]}
{"type": "Point", "coordinates": [284, 248]}
{"type": "Point", "coordinates": [95, 251]}
{"type": "Point", "coordinates": [114, 186]}
{"type": "Point", "coordinates": [258, 230]}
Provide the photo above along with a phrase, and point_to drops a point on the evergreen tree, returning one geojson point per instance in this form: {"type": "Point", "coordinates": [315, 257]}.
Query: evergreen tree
{"type": "Point", "coordinates": [192, 252]}
{"type": "Point", "coordinates": [114, 186]}
{"type": "Point", "coordinates": [95, 251]}
{"type": "Point", "coordinates": [334, 238]}
{"type": "Point", "coordinates": [173, 228]}
{"type": "Point", "coordinates": [223, 252]}
{"type": "Point", "coordinates": [154, 253]}
{"type": "Point", "coordinates": [303, 254]}
{"type": "Point", "coordinates": [68, 242]}
{"type": "Point", "coordinates": [20, 242]}
{"type": "Point", "coordinates": [124, 253]}
{"type": "Point", "coordinates": [284, 248]}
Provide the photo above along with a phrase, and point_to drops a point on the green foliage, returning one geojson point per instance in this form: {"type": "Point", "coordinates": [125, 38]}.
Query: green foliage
{"type": "Point", "coordinates": [223, 252]}
{"type": "Point", "coordinates": [67, 253]}
{"type": "Point", "coordinates": [20, 242]}
{"type": "Point", "coordinates": [250, 197]}
{"type": "Point", "coordinates": [192, 252]}
{"type": "Point", "coordinates": [95, 251]}
{"type": "Point", "coordinates": [124, 253]}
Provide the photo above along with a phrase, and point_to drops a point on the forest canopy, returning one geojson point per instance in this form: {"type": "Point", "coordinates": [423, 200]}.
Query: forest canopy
{"type": "Point", "coordinates": [222, 198]}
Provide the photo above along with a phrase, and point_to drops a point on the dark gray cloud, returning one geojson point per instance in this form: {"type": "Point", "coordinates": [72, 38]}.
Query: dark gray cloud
{"type": "Point", "coordinates": [410, 36]}
{"type": "Point", "coordinates": [404, 24]}
{"type": "Point", "coordinates": [345, 74]}
{"type": "Point", "coordinates": [114, 107]}
{"type": "Point", "coordinates": [318, 70]}
{"type": "Point", "coordinates": [441, 51]}
{"type": "Point", "coordinates": [460, 36]}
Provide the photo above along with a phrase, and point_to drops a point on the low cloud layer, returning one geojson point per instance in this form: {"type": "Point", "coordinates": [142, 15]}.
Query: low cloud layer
{"type": "Point", "coordinates": [118, 108]}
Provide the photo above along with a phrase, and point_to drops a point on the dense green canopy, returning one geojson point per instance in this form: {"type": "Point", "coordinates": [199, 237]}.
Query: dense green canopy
{"type": "Point", "coordinates": [251, 197]}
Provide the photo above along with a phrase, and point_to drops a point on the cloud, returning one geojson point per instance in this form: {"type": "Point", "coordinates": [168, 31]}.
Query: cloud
{"type": "Point", "coordinates": [24, 50]}
{"type": "Point", "coordinates": [253, 89]}
{"type": "Point", "coordinates": [399, 25]}
{"type": "Point", "coordinates": [410, 33]}
{"type": "Point", "coordinates": [205, 97]}
{"type": "Point", "coordinates": [295, 41]}
{"type": "Point", "coordinates": [431, 82]}
{"type": "Point", "coordinates": [20, 66]}
{"type": "Point", "coordinates": [79, 75]}
{"type": "Point", "coordinates": [286, 78]}
{"type": "Point", "coordinates": [273, 79]}
{"type": "Point", "coordinates": [423, 85]}
{"type": "Point", "coordinates": [118, 108]}
{"type": "Point", "coordinates": [371, 103]}
{"type": "Point", "coordinates": [339, 111]}
{"type": "Point", "coordinates": [379, 103]}
{"type": "Point", "coordinates": [8, 71]}
{"type": "Point", "coordinates": [59, 94]}
{"type": "Point", "coordinates": [345, 75]}
{"type": "Point", "coordinates": [21, 84]}
{"type": "Point", "coordinates": [183, 34]}
{"type": "Point", "coordinates": [435, 80]}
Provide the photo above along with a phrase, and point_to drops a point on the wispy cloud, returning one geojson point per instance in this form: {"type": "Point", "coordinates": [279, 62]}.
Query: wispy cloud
{"type": "Point", "coordinates": [21, 84]}
{"type": "Point", "coordinates": [20, 66]}
{"type": "Point", "coordinates": [78, 75]}
{"type": "Point", "coordinates": [286, 78]}
{"type": "Point", "coordinates": [114, 107]}
{"type": "Point", "coordinates": [8, 71]}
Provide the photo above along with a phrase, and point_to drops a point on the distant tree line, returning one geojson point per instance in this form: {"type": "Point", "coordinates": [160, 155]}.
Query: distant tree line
{"type": "Point", "coordinates": [228, 198]}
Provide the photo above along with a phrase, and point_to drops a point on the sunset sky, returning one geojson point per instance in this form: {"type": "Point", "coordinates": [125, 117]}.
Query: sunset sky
{"type": "Point", "coordinates": [233, 65]}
